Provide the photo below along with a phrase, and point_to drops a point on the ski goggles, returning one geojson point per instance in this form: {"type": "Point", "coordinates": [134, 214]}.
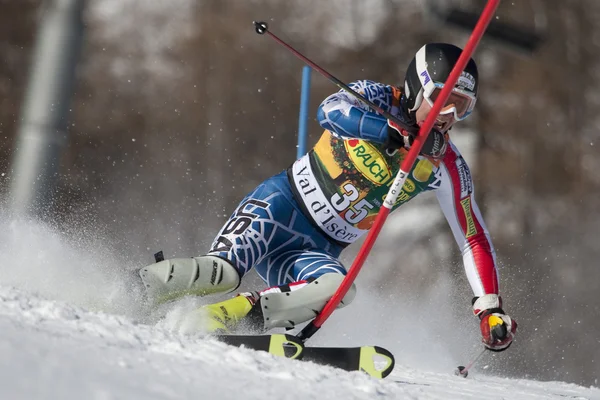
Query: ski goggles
{"type": "Point", "coordinates": [461, 102]}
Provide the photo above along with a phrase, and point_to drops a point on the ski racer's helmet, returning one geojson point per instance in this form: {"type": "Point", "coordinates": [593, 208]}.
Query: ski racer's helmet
{"type": "Point", "coordinates": [427, 73]}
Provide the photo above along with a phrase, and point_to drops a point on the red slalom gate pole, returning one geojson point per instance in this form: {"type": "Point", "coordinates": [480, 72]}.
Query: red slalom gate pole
{"type": "Point", "coordinates": [405, 168]}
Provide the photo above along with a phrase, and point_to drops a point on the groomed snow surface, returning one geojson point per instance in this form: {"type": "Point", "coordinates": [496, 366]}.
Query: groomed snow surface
{"type": "Point", "coordinates": [54, 344]}
{"type": "Point", "coordinates": [52, 350]}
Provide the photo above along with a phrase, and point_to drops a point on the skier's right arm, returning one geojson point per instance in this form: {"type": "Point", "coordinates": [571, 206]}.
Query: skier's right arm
{"type": "Point", "coordinates": [345, 116]}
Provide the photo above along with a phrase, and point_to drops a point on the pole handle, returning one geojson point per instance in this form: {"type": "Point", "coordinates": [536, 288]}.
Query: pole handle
{"type": "Point", "coordinates": [260, 27]}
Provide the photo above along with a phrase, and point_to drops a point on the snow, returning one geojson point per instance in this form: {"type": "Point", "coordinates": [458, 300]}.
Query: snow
{"type": "Point", "coordinates": [71, 329]}
{"type": "Point", "coordinates": [53, 350]}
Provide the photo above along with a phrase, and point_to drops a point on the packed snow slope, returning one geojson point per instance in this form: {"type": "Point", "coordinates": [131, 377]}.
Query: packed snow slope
{"type": "Point", "coordinates": [72, 327]}
{"type": "Point", "coordinates": [53, 350]}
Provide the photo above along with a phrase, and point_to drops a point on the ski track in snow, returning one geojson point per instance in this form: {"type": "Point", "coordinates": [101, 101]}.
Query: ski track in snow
{"type": "Point", "coordinates": [54, 350]}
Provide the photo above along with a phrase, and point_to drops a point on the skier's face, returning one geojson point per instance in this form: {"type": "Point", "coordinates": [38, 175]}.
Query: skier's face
{"type": "Point", "coordinates": [443, 122]}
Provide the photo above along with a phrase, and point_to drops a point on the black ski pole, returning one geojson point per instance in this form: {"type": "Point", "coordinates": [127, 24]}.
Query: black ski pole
{"type": "Point", "coordinates": [464, 371]}
{"type": "Point", "coordinates": [262, 28]}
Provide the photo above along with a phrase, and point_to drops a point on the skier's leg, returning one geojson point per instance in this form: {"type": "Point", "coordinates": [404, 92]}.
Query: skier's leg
{"type": "Point", "coordinates": [257, 224]}
{"type": "Point", "coordinates": [267, 222]}
{"type": "Point", "coordinates": [307, 280]}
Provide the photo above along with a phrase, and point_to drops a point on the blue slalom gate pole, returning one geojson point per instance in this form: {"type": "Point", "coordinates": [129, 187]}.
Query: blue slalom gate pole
{"type": "Point", "coordinates": [302, 122]}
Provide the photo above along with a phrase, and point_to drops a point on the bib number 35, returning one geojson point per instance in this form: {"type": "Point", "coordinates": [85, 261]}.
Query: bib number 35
{"type": "Point", "coordinates": [343, 204]}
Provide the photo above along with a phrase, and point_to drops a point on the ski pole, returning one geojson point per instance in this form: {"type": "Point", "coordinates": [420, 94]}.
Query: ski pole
{"type": "Point", "coordinates": [262, 28]}
{"type": "Point", "coordinates": [464, 371]}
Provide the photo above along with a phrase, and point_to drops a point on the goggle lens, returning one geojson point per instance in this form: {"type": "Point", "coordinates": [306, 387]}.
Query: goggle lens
{"type": "Point", "coordinates": [461, 103]}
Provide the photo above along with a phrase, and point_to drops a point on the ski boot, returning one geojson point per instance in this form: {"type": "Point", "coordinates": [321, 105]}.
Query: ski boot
{"type": "Point", "coordinates": [197, 276]}
{"type": "Point", "coordinates": [229, 316]}
{"type": "Point", "coordinates": [282, 306]}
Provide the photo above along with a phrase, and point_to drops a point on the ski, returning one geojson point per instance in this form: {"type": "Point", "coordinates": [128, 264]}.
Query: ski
{"type": "Point", "coordinates": [287, 346]}
{"type": "Point", "coordinates": [373, 360]}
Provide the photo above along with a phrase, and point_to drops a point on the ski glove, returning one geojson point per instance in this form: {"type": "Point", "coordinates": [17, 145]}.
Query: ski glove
{"type": "Point", "coordinates": [435, 145]}
{"type": "Point", "coordinates": [497, 328]}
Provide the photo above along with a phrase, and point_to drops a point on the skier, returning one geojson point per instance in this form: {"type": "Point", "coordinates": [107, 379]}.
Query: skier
{"type": "Point", "coordinates": [292, 228]}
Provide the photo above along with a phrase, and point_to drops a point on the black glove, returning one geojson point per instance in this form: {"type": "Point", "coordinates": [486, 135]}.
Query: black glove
{"type": "Point", "coordinates": [497, 329]}
{"type": "Point", "coordinates": [434, 147]}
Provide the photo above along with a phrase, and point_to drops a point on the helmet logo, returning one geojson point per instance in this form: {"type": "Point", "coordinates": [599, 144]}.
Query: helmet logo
{"type": "Point", "coordinates": [426, 79]}
{"type": "Point", "coordinates": [423, 73]}
{"type": "Point", "coordinates": [466, 80]}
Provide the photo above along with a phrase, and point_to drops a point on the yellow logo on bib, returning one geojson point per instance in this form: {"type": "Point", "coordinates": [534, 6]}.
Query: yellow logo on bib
{"type": "Point", "coordinates": [369, 161]}
{"type": "Point", "coordinates": [409, 186]}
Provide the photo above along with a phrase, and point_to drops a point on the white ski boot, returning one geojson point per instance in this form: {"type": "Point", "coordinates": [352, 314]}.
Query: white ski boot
{"type": "Point", "coordinates": [198, 276]}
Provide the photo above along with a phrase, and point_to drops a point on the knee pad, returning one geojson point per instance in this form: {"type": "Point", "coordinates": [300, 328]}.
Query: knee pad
{"type": "Point", "coordinates": [286, 309]}
{"type": "Point", "coordinates": [198, 276]}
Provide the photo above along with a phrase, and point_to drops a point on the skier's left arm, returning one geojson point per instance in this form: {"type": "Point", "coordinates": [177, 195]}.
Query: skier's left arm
{"type": "Point", "coordinates": [457, 200]}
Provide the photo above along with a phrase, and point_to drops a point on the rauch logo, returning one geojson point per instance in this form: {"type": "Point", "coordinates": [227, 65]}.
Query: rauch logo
{"type": "Point", "coordinates": [369, 161]}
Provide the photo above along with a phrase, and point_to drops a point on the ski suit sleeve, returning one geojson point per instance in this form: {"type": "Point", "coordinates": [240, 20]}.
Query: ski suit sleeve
{"type": "Point", "coordinates": [345, 116]}
{"type": "Point", "coordinates": [457, 200]}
